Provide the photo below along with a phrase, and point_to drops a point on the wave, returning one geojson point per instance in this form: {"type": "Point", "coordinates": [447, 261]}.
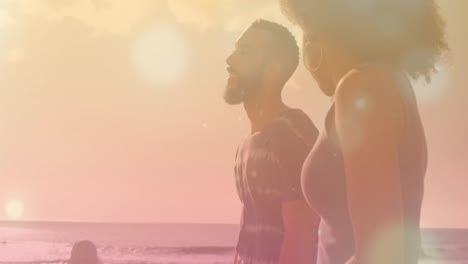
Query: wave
{"type": "Point", "coordinates": [203, 250]}
{"type": "Point", "coordinates": [36, 262]}
{"type": "Point", "coordinates": [446, 252]}
{"type": "Point", "coordinates": [189, 250]}
{"type": "Point", "coordinates": [62, 261]}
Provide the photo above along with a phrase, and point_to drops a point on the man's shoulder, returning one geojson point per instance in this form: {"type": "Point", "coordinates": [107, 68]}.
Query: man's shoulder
{"type": "Point", "coordinates": [294, 125]}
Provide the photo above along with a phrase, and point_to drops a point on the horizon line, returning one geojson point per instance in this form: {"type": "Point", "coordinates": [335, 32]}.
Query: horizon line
{"type": "Point", "coordinates": [71, 222]}
{"type": "Point", "coordinates": [35, 221]}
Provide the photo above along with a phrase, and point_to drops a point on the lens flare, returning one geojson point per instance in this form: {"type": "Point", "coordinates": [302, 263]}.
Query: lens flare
{"type": "Point", "coordinates": [14, 209]}
{"type": "Point", "coordinates": [160, 55]}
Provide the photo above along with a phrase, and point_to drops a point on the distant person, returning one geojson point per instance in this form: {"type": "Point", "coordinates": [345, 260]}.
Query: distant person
{"type": "Point", "coordinates": [84, 252]}
{"type": "Point", "coordinates": [277, 227]}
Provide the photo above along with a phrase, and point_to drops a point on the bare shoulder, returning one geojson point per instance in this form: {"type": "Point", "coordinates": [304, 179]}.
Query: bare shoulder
{"type": "Point", "coordinates": [372, 81]}
{"type": "Point", "coordinates": [370, 90]}
{"type": "Point", "coordinates": [369, 108]}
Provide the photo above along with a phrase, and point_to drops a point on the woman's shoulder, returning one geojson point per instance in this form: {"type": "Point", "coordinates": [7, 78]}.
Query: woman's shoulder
{"type": "Point", "coordinates": [369, 97]}
{"type": "Point", "coordinates": [369, 84]}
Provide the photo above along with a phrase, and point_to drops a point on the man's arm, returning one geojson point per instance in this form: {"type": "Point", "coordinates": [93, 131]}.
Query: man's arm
{"type": "Point", "coordinates": [300, 234]}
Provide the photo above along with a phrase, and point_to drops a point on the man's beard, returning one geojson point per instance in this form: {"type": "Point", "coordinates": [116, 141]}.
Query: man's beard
{"type": "Point", "coordinates": [245, 88]}
{"type": "Point", "coordinates": [237, 95]}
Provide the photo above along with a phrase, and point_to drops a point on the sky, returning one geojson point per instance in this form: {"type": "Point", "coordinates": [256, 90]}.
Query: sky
{"type": "Point", "coordinates": [112, 111]}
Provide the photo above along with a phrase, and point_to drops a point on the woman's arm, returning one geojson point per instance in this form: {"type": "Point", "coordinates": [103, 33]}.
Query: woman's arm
{"type": "Point", "coordinates": [369, 121]}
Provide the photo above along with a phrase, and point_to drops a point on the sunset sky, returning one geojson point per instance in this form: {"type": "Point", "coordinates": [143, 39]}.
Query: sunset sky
{"type": "Point", "coordinates": [112, 110]}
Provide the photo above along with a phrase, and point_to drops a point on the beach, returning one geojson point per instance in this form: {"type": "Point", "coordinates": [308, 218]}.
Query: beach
{"type": "Point", "coordinates": [49, 242]}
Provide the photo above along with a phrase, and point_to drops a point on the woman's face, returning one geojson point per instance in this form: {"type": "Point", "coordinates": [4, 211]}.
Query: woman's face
{"type": "Point", "coordinates": [316, 62]}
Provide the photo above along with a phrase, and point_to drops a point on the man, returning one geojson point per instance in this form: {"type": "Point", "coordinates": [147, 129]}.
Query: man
{"type": "Point", "coordinates": [277, 225]}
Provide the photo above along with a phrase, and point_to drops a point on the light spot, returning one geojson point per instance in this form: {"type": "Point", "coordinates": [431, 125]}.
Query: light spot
{"type": "Point", "coordinates": [361, 103]}
{"type": "Point", "coordinates": [14, 209]}
{"type": "Point", "coordinates": [160, 55]}
{"type": "Point", "coordinates": [385, 240]}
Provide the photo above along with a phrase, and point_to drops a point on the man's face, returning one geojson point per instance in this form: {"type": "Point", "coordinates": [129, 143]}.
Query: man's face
{"type": "Point", "coordinates": [246, 65]}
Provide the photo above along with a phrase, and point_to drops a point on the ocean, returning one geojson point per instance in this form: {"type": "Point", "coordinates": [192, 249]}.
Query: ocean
{"type": "Point", "coordinates": [47, 242]}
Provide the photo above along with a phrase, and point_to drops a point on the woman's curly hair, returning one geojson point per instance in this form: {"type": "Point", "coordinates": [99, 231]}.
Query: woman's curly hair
{"type": "Point", "coordinates": [408, 34]}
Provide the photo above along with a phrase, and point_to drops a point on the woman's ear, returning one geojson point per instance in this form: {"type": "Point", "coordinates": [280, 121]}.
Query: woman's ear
{"type": "Point", "coordinates": [313, 56]}
{"type": "Point", "coordinates": [308, 37]}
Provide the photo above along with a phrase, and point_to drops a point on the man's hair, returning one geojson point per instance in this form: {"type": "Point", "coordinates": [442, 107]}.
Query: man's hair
{"type": "Point", "coordinates": [283, 45]}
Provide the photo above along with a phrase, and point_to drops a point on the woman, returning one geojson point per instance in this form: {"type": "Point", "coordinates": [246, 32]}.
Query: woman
{"type": "Point", "coordinates": [365, 175]}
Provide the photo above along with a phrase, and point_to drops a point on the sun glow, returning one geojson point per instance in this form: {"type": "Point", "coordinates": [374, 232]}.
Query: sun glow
{"type": "Point", "coordinates": [160, 55]}
{"type": "Point", "coordinates": [14, 209]}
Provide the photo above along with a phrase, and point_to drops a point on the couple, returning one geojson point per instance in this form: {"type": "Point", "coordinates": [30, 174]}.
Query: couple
{"type": "Point", "coordinates": [351, 193]}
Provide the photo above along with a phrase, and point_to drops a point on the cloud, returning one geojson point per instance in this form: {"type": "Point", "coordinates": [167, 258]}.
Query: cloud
{"type": "Point", "coordinates": [231, 15]}
{"type": "Point", "coordinates": [115, 16]}
{"type": "Point", "coordinates": [120, 16]}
